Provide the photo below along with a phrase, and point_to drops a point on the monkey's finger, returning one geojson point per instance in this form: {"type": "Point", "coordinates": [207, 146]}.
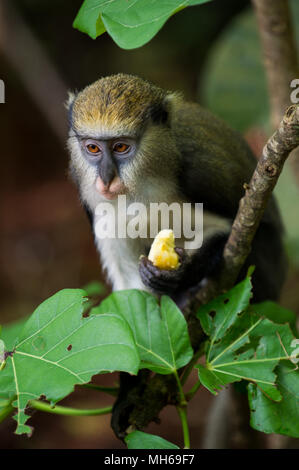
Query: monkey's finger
{"type": "Point", "coordinates": [182, 254]}
{"type": "Point", "coordinates": [179, 251]}
{"type": "Point", "coordinates": [143, 260]}
{"type": "Point", "coordinates": [150, 266]}
{"type": "Point", "coordinates": [157, 272]}
{"type": "Point", "coordinates": [157, 284]}
{"type": "Point", "coordinates": [150, 277]}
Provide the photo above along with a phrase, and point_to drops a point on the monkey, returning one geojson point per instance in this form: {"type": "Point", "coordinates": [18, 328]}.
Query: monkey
{"type": "Point", "coordinates": [130, 137]}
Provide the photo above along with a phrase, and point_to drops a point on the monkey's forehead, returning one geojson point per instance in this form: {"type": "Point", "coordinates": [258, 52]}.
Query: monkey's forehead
{"type": "Point", "coordinates": [111, 102]}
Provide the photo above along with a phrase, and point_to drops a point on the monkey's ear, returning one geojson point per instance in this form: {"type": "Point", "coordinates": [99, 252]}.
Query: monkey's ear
{"type": "Point", "coordinates": [69, 105]}
{"type": "Point", "coordinates": [160, 113]}
{"type": "Point", "coordinates": [70, 100]}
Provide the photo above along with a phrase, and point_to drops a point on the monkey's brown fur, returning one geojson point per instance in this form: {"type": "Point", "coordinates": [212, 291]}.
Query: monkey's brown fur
{"type": "Point", "coordinates": [116, 101]}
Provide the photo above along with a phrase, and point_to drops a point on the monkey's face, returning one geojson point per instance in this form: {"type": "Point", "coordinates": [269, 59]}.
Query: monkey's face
{"type": "Point", "coordinates": [103, 166]}
{"type": "Point", "coordinates": [106, 157]}
{"type": "Point", "coordinates": [120, 140]}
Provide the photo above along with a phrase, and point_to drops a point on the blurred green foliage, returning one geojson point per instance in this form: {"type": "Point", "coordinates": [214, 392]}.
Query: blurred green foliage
{"type": "Point", "coordinates": [234, 87]}
{"type": "Point", "coordinates": [234, 83]}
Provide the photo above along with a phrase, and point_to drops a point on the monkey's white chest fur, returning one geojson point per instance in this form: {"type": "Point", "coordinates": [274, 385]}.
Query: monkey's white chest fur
{"type": "Point", "coordinates": [120, 257]}
{"type": "Point", "coordinates": [120, 254]}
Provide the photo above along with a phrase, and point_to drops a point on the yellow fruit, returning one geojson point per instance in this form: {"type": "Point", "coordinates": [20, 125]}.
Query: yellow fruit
{"type": "Point", "coordinates": [162, 253]}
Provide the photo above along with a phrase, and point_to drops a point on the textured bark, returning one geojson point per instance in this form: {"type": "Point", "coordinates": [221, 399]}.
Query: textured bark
{"type": "Point", "coordinates": [280, 55]}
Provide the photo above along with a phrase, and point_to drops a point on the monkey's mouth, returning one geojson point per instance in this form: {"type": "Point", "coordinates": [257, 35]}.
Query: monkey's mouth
{"type": "Point", "coordinates": [109, 195]}
{"type": "Point", "coordinates": [112, 190]}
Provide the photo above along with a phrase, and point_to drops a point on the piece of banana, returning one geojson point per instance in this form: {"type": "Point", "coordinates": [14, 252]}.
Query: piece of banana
{"type": "Point", "coordinates": [162, 253]}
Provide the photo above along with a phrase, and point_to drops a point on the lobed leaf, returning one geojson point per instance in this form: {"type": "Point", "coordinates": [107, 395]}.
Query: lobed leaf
{"type": "Point", "coordinates": [275, 312]}
{"type": "Point", "coordinates": [281, 417]}
{"type": "Point", "coordinates": [243, 347]}
{"type": "Point", "coordinates": [60, 346]}
{"type": "Point", "coordinates": [225, 310]}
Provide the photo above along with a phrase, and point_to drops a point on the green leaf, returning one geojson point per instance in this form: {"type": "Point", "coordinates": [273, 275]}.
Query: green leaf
{"type": "Point", "coordinates": [234, 359]}
{"type": "Point", "coordinates": [212, 380]}
{"type": "Point", "coordinates": [197, 2]}
{"type": "Point", "coordinates": [88, 19]}
{"type": "Point", "coordinates": [142, 440]}
{"type": "Point", "coordinates": [130, 24]}
{"type": "Point", "coordinates": [274, 312]}
{"type": "Point", "coordinates": [11, 332]}
{"type": "Point", "coordinates": [244, 346]}
{"type": "Point", "coordinates": [226, 308]}
{"type": "Point", "coordinates": [269, 416]}
{"type": "Point", "coordinates": [160, 332]}
{"type": "Point", "coordinates": [60, 346]}
{"type": "Point", "coordinates": [233, 83]}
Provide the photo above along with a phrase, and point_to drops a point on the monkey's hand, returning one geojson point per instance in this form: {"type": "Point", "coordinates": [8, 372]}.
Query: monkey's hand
{"type": "Point", "coordinates": [163, 281]}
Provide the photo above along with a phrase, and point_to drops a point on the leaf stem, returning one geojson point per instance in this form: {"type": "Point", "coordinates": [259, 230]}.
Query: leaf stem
{"type": "Point", "coordinates": [189, 395]}
{"type": "Point", "coordinates": [190, 366]}
{"type": "Point", "coordinates": [182, 411]}
{"type": "Point", "coordinates": [183, 401]}
{"type": "Point", "coordinates": [63, 410]}
{"type": "Point", "coordinates": [5, 412]}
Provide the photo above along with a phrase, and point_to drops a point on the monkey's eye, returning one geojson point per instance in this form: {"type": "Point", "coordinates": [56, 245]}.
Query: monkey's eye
{"type": "Point", "coordinates": [121, 147]}
{"type": "Point", "coordinates": [93, 148]}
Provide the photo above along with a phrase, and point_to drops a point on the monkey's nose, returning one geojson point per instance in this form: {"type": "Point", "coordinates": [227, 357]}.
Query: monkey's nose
{"type": "Point", "coordinates": [107, 171]}
{"type": "Point", "coordinates": [112, 190]}
{"type": "Point", "coordinates": [102, 186]}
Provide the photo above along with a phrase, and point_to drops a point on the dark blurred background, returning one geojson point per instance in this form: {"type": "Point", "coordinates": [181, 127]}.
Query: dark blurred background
{"type": "Point", "coordinates": [46, 243]}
